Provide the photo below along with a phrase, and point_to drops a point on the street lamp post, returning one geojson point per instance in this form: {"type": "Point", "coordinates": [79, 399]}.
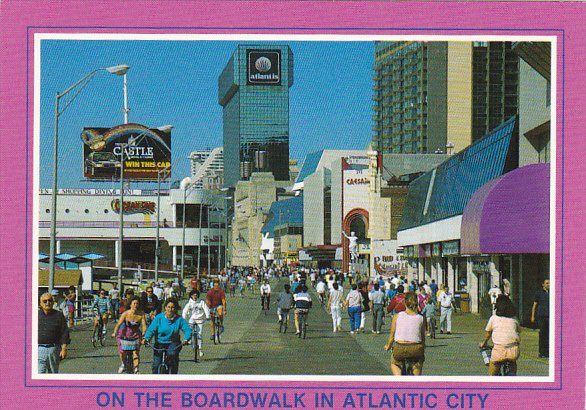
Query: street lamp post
{"type": "Point", "coordinates": [117, 70]}
{"type": "Point", "coordinates": [164, 128]}
{"type": "Point", "coordinates": [185, 183]}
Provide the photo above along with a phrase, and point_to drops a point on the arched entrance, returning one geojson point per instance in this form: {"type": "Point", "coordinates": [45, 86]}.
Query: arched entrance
{"type": "Point", "coordinates": [355, 221]}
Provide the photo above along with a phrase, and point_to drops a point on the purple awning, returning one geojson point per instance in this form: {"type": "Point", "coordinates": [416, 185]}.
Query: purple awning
{"type": "Point", "coordinates": [509, 214]}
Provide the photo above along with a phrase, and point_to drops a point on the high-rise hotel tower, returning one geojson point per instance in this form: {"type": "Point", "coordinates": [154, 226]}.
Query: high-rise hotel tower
{"type": "Point", "coordinates": [254, 93]}
{"type": "Point", "coordinates": [440, 96]}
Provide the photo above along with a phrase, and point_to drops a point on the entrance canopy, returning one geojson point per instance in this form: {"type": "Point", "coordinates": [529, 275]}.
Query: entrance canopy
{"type": "Point", "coordinates": [509, 214]}
{"type": "Point", "coordinates": [63, 278]}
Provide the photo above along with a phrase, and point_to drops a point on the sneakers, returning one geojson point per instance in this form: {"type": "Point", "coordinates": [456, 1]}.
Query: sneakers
{"type": "Point", "coordinates": [104, 331]}
{"type": "Point", "coordinates": [449, 333]}
{"type": "Point", "coordinates": [352, 332]}
{"type": "Point", "coordinates": [200, 353]}
{"type": "Point", "coordinates": [121, 369]}
{"type": "Point", "coordinates": [136, 371]}
{"type": "Point", "coordinates": [374, 332]}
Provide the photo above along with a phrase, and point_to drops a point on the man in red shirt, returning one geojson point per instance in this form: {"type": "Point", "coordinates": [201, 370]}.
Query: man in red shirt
{"type": "Point", "coordinates": [193, 283]}
{"type": "Point", "coordinates": [397, 304]}
{"type": "Point", "coordinates": [216, 301]}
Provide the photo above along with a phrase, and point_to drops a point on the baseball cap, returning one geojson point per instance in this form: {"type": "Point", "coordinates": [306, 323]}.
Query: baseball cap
{"type": "Point", "coordinates": [54, 292]}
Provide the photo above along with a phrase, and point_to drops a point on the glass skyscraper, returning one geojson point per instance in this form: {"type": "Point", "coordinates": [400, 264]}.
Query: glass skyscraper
{"type": "Point", "coordinates": [253, 90]}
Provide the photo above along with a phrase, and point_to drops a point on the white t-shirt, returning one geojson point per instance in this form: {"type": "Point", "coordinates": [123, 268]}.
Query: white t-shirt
{"type": "Point", "coordinates": [446, 300]}
{"type": "Point", "coordinates": [320, 287]}
{"type": "Point", "coordinates": [505, 330]}
{"type": "Point", "coordinates": [114, 294]}
{"type": "Point", "coordinates": [336, 297]}
{"type": "Point", "coordinates": [265, 289]}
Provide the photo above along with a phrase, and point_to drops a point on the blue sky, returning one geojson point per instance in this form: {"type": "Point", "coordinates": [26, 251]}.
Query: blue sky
{"type": "Point", "coordinates": [176, 82]}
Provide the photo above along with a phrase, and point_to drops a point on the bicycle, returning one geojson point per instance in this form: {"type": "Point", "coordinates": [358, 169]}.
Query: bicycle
{"type": "Point", "coordinates": [99, 334]}
{"type": "Point", "coordinates": [266, 299]}
{"type": "Point", "coordinates": [195, 335]}
{"type": "Point", "coordinates": [163, 367]}
{"type": "Point", "coordinates": [505, 365]}
{"type": "Point", "coordinates": [218, 328]}
{"type": "Point", "coordinates": [406, 365]}
{"type": "Point", "coordinates": [128, 349]}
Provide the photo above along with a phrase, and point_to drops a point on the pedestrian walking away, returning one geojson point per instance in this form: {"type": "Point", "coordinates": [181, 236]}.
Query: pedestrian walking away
{"type": "Point", "coordinates": [284, 303]}
{"type": "Point", "coordinates": [53, 336]}
{"type": "Point", "coordinates": [540, 311]}
{"type": "Point", "coordinates": [353, 303]}
{"type": "Point", "coordinates": [377, 300]}
{"type": "Point", "coordinates": [335, 306]}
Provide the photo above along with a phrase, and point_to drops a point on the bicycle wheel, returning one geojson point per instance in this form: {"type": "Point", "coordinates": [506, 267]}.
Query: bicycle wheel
{"type": "Point", "coordinates": [102, 335]}
{"type": "Point", "coordinates": [128, 361]}
{"type": "Point", "coordinates": [95, 336]}
{"type": "Point", "coordinates": [195, 346]}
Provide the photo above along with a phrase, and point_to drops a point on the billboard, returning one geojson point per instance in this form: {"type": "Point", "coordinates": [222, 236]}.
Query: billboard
{"type": "Point", "coordinates": [148, 151]}
{"type": "Point", "coordinates": [263, 67]}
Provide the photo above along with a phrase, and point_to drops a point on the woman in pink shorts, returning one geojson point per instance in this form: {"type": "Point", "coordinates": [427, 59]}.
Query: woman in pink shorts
{"type": "Point", "coordinates": [504, 330]}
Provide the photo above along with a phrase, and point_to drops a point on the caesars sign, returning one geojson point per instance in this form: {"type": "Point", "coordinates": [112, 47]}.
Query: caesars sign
{"type": "Point", "coordinates": [263, 67]}
{"type": "Point", "coordinates": [148, 152]}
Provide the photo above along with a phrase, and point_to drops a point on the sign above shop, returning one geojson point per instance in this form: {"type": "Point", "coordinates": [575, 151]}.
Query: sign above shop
{"type": "Point", "coordinates": [134, 207]}
{"type": "Point", "coordinates": [263, 67]}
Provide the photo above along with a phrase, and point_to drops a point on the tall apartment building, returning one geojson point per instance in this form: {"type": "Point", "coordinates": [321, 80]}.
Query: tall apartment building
{"type": "Point", "coordinates": [440, 96]}
{"type": "Point", "coordinates": [207, 168]}
{"type": "Point", "coordinates": [253, 91]}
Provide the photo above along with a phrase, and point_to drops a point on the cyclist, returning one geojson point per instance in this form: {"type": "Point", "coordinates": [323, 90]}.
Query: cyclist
{"type": "Point", "coordinates": [321, 291]}
{"type": "Point", "coordinates": [302, 305]}
{"type": "Point", "coordinates": [167, 326]}
{"type": "Point", "coordinates": [196, 312]}
{"type": "Point", "coordinates": [149, 303]}
{"type": "Point", "coordinates": [504, 330]}
{"type": "Point", "coordinates": [102, 310]}
{"type": "Point", "coordinates": [407, 337]}
{"type": "Point", "coordinates": [265, 294]}
{"type": "Point", "coordinates": [284, 303]}
{"type": "Point", "coordinates": [129, 330]}
{"type": "Point", "coordinates": [216, 301]}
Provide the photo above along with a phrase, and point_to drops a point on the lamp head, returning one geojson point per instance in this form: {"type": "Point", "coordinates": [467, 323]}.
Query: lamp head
{"type": "Point", "coordinates": [165, 128]}
{"type": "Point", "coordinates": [185, 183]}
{"type": "Point", "coordinates": [118, 69]}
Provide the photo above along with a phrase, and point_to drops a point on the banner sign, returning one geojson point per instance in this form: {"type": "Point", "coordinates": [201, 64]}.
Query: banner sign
{"type": "Point", "coordinates": [134, 207]}
{"type": "Point", "coordinates": [451, 248]}
{"type": "Point", "coordinates": [263, 67]}
{"type": "Point", "coordinates": [145, 151]}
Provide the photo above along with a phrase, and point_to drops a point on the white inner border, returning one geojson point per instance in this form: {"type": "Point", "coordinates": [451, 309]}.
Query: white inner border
{"type": "Point", "coordinates": [38, 37]}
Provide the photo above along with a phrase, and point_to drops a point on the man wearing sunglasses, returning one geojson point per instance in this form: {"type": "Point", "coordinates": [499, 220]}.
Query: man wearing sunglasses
{"type": "Point", "coordinates": [53, 336]}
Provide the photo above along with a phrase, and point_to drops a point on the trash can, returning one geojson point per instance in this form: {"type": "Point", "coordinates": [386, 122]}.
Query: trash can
{"type": "Point", "coordinates": [465, 303]}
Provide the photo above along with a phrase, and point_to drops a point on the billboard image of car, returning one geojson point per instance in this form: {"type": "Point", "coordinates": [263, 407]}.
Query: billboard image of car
{"type": "Point", "coordinates": [145, 151]}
